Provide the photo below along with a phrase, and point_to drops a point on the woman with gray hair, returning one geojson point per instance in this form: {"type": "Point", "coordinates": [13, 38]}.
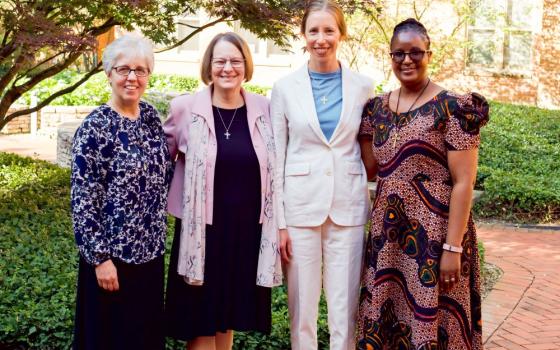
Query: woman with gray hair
{"type": "Point", "coordinates": [120, 174]}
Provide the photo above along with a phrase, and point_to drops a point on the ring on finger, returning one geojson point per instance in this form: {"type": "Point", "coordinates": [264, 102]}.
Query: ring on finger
{"type": "Point", "coordinates": [453, 279]}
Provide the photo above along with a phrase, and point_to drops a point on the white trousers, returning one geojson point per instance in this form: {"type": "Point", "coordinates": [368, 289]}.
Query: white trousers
{"type": "Point", "coordinates": [337, 250]}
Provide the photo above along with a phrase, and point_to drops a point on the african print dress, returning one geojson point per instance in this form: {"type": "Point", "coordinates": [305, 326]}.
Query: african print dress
{"type": "Point", "coordinates": [401, 306]}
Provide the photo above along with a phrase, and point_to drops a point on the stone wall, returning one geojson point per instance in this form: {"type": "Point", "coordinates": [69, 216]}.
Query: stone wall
{"type": "Point", "coordinates": [48, 119]}
{"type": "Point", "coordinates": [65, 135]}
{"type": "Point", "coordinates": [53, 116]}
{"type": "Point", "coordinates": [19, 125]}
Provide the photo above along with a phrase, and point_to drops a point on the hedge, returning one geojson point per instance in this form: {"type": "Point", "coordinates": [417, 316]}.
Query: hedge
{"type": "Point", "coordinates": [519, 165]}
{"type": "Point", "coordinates": [95, 91]}
{"type": "Point", "coordinates": [38, 260]}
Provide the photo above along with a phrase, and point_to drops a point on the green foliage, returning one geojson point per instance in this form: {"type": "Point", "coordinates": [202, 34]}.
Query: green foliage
{"type": "Point", "coordinates": [172, 83]}
{"type": "Point", "coordinates": [256, 89]}
{"type": "Point", "coordinates": [97, 90]}
{"type": "Point", "coordinates": [481, 253]}
{"type": "Point", "coordinates": [37, 256]}
{"type": "Point", "coordinates": [48, 36]}
{"type": "Point", "coordinates": [38, 261]}
{"type": "Point", "coordinates": [519, 166]}
{"type": "Point", "coordinates": [92, 93]}
{"type": "Point", "coordinates": [159, 92]}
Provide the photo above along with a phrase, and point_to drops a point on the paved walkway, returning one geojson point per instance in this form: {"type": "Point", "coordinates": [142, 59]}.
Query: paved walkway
{"type": "Point", "coordinates": [38, 147]}
{"type": "Point", "coordinates": [523, 310]}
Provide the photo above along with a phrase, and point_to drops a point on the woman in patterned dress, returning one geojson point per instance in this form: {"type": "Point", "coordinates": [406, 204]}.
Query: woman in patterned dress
{"type": "Point", "coordinates": [421, 276]}
{"type": "Point", "coordinates": [120, 174]}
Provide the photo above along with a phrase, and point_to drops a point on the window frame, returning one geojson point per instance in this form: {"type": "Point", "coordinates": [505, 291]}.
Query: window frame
{"type": "Point", "coordinates": [503, 32]}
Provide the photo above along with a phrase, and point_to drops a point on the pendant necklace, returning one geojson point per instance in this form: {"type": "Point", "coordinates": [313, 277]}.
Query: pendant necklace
{"type": "Point", "coordinates": [226, 134]}
{"type": "Point", "coordinates": [397, 126]}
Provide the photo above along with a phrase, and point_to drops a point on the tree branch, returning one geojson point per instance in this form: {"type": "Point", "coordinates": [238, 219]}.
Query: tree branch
{"type": "Point", "coordinates": [95, 31]}
{"type": "Point", "coordinates": [7, 77]}
{"type": "Point", "coordinates": [196, 31]}
{"type": "Point", "coordinates": [16, 91]}
{"type": "Point", "coordinates": [7, 50]}
{"type": "Point", "coordinates": [380, 26]}
{"type": "Point", "coordinates": [48, 100]}
{"type": "Point", "coordinates": [24, 74]}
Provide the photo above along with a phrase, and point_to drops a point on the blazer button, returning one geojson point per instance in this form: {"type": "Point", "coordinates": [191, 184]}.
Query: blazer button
{"type": "Point", "coordinates": [328, 172]}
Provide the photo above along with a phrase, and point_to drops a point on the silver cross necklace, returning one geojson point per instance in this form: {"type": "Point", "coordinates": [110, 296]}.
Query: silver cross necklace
{"type": "Point", "coordinates": [227, 133]}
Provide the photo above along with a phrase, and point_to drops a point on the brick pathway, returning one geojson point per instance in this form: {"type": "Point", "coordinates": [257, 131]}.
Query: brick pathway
{"type": "Point", "coordinates": [523, 310]}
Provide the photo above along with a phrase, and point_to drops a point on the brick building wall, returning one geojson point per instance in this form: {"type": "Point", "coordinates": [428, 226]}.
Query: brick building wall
{"type": "Point", "coordinates": [549, 67]}
{"type": "Point", "coordinates": [539, 86]}
{"type": "Point", "coordinates": [19, 125]}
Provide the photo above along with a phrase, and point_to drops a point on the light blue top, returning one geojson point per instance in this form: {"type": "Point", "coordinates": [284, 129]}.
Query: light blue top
{"type": "Point", "coordinates": [327, 93]}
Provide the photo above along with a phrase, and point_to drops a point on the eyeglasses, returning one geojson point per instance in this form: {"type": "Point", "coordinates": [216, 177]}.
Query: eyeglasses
{"type": "Point", "coordinates": [221, 62]}
{"type": "Point", "coordinates": [415, 56]}
{"type": "Point", "coordinates": [125, 71]}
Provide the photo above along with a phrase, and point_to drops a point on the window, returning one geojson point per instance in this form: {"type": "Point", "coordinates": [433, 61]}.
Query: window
{"type": "Point", "coordinates": [184, 28]}
{"type": "Point", "coordinates": [273, 49]}
{"type": "Point", "coordinates": [501, 35]}
{"type": "Point", "coordinates": [252, 40]}
{"type": "Point", "coordinates": [259, 47]}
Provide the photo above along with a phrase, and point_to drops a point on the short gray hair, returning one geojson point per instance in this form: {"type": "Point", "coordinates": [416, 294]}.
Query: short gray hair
{"type": "Point", "coordinates": [129, 45]}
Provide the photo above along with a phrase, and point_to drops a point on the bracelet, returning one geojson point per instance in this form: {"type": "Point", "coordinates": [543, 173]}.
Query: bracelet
{"type": "Point", "coordinates": [451, 248]}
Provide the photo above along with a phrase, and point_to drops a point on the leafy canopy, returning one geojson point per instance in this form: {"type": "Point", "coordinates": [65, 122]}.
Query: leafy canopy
{"type": "Point", "coordinates": [40, 38]}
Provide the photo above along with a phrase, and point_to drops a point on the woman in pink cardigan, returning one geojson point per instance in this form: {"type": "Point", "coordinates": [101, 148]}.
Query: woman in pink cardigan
{"type": "Point", "coordinates": [225, 252]}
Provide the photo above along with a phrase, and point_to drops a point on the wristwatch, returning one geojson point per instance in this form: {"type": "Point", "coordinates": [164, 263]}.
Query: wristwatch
{"type": "Point", "coordinates": [452, 248]}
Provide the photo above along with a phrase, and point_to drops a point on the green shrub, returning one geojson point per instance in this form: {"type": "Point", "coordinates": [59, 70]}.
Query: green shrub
{"type": "Point", "coordinates": [173, 83]}
{"type": "Point", "coordinates": [38, 261]}
{"type": "Point", "coordinates": [37, 255]}
{"type": "Point", "coordinates": [519, 166]}
{"type": "Point", "coordinates": [256, 89]}
{"type": "Point", "coordinates": [96, 90]}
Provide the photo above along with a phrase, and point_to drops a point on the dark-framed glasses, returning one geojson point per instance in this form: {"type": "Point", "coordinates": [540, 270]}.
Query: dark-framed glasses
{"type": "Point", "coordinates": [416, 55]}
{"type": "Point", "coordinates": [125, 71]}
{"type": "Point", "coordinates": [221, 62]}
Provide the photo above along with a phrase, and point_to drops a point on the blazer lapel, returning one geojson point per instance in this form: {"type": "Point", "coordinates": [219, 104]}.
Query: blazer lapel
{"type": "Point", "coordinates": [304, 95]}
{"type": "Point", "coordinates": [254, 110]}
{"type": "Point", "coordinates": [202, 106]}
{"type": "Point", "coordinates": [348, 97]}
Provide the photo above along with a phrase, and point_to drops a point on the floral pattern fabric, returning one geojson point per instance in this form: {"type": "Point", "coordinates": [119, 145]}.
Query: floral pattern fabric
{"type": "Point", "coordinates": [120, 174]}
{"type": "Point", "coordinates": [192, 249]}
{"type": "Point", "coordinates": [401, 306]}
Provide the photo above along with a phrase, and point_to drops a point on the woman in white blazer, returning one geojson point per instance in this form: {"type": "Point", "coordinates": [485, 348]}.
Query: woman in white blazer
{"type": "Point", "coordinates": [320, 181]}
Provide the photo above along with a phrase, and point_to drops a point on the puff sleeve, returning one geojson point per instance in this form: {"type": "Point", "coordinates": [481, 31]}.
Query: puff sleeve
{"type": "Point", "coordinates": [367, 126]}
{"type": "Point", "coordinates": [468, 114]}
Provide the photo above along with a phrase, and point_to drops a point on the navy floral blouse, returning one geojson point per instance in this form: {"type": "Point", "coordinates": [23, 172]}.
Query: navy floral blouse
{"type": "Point", "coordinates": [120, 174]}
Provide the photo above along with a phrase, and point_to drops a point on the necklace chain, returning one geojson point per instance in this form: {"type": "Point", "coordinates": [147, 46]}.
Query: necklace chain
{"type": "Point", "coordinates": [398, 127]}
{"type": "Point", "coordinates": [227, 133]}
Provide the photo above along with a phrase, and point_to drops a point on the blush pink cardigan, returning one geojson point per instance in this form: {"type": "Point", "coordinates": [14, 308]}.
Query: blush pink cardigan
{"type": "Point", "coordinates": [176, 130]}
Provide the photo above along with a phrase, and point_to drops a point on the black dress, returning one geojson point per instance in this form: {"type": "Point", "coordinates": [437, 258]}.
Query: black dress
{"type": "Point", "coordinates": [120, 174]}
{"type": "Point", "coordinates": [229, 297]}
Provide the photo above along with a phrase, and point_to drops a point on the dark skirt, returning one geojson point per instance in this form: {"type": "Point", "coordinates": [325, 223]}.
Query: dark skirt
{"type": "Point", "coordinates": [130, 318]}
{"type": "Point", "coordinates": [229, 297]}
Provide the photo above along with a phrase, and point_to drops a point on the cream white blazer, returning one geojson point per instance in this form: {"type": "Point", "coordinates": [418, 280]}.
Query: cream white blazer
{"type": "Point", "coordinates": [315, 177]}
